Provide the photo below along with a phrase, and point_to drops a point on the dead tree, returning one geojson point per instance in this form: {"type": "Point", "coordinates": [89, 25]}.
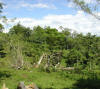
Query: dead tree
{"type": "Point", "coordinates": [16, 56]}
{"type": "Point", "coordinates": [40, 60]}
{"type": "Point", "coordinates": [49, 60]}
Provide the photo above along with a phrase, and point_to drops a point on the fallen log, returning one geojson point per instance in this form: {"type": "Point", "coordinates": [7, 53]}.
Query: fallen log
{"type": "Point", "coordinates": [66, 68]}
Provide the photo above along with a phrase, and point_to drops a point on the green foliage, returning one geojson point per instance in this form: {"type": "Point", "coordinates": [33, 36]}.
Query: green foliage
{"type": "Point", "coordinates": [61, 48]}
{"type": "Point", "coordinates": [1, 27]}
{"type": "Point", "coordinates": [1, 7]}
{"type": "Point", "coordinates": [73, 57]}
{"type": "Point", "coordinates": [2, 45]}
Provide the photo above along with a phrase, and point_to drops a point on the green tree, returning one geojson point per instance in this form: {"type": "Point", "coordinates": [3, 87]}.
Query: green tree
{"type": "Point", "coordinates": [74, 57]}
{"type": "Point", "coordinates": [1, 7]}
{"type": "Point", "coordinates": [2, 45]}
{"type": "Point", "coordinates": [1, 27]}
{"type": "Point", "coordinates": [21, 31]}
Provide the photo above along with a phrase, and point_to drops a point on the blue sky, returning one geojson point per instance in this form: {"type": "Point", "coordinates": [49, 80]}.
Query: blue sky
{"type": "Point", "coordinates": [36, 8]}
{"type": "Point", "coordinates": [54, 13]}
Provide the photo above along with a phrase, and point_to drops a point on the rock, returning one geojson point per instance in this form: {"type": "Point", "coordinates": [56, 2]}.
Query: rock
{"type": "Point", "coordinates": [32, 86]}
{"type": "Point", "coordinates": [4, 86]}
{"type": "Point", "coordinates": [21, 85]}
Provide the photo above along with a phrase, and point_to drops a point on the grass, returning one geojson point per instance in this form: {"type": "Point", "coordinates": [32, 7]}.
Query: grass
{"type": "Point", "coordinates": [44, 80]}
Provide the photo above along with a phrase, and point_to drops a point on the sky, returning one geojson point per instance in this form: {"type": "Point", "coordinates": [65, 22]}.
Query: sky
{"type": "Point", "coordinates": [53, 13]}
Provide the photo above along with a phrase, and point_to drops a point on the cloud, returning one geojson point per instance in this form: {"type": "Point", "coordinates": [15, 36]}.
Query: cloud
{"type": "Point", "coordinates": [79, 22]}
{"type": "Point", "coordinates": [5, 13]}
{"type": "Point", "coordinates": [89, 1]}
{"type": "Point", "coordinates": [35, 5]}
{"type": "Point", "coordinates": [70, 5]}
{"type": "Point", "coordinates": [1, 1]}
{"type": "Point", "coordinates": [39, 5]}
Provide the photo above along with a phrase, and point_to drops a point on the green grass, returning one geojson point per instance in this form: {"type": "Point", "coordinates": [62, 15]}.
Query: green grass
{"type": "Point", "coordinates": [44, 80]}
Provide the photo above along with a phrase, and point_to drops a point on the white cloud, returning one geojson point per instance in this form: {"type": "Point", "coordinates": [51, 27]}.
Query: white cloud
{"type": "Point", "coordinates": [1, 1]}
{"type": "Point", "coordinates": [35, 5]}
{"type": "Point", "coordinates": [89, 1]}
{"type": "Point", "coordinates": [5, 13]}
{"type": "Point", "coordinates": [79, 22]}
{"type": "Point", "coordinates": [71, 5]}
{"type": "Point", "coordinates": [39, 5]}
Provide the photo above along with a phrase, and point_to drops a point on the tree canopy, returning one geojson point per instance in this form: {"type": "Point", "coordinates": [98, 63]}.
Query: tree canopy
{"type": "Point", "coordinates": [29, 45]}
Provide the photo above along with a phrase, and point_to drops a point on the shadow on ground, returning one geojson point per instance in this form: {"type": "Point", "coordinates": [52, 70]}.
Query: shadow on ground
{"type": "Point", "coordinates": [87, 84]}
{"type": "Point", "coordinates": [4, 74]}
{"type": "Point", "coordinates": [84, 84]}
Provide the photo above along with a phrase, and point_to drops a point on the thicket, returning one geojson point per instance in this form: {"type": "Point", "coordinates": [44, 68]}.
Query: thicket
{"type": "Point", "coordinates": [48, 48]}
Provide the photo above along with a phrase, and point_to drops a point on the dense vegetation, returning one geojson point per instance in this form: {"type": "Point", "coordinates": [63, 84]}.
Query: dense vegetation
{"type": "Point", "coordinates": [24, 46]}
{"type": "Point", "coordinates": [51, 59]}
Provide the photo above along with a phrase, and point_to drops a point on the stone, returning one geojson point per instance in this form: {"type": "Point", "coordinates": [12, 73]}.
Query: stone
{"type": "Point", "coordinates": [21, 85]}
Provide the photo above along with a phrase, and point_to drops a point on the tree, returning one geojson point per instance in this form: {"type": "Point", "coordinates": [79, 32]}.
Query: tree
{"type": "Point", "coordinates": [74, 57]}
{"type": "Point", "coordinates": [91, 6]}
{"type": "Point", "coordinates": [1, 7]}
{"type": "Point", "coordinates": [2, 45]}
{"type": "Point", "coordinates": [1, 27]}
{"type": "Point", "coordinates": [20, 31]}
{"type": "Point", "coordinates": [15, 54]}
